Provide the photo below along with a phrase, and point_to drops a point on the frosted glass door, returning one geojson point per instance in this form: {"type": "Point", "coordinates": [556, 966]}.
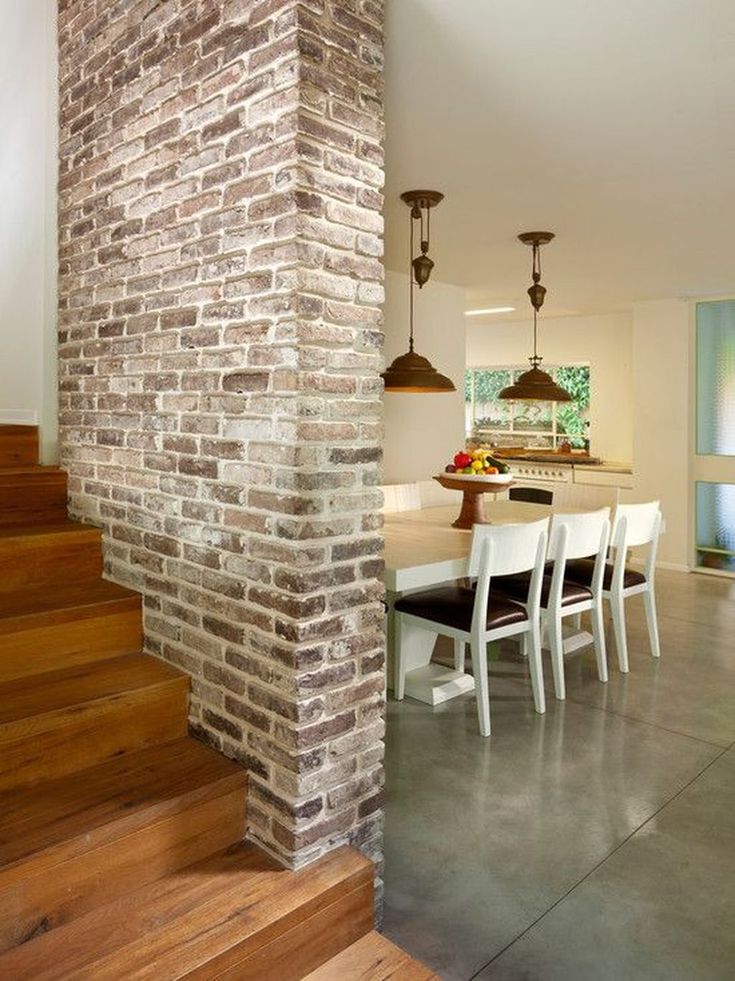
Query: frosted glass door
{"type": "Point", "coordinates": [714, 462]}
{"type": "Point", "coordinates": [716, 378]}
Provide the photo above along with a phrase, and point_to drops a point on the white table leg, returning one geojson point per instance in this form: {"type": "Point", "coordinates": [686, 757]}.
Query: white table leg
{"type": "Point", "coordinates": [425, 681]}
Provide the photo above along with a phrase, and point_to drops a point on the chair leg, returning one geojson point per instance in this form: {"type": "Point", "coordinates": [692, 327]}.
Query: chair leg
{"type": "Point", "coordinates": [399, 661]}
{"type": "Point", "coordinates": [577, 621]}
{"type": "Point", "coordinates": [556, 646]}
{"type": "Point", "coordinates": [649, 602]}
{"type": "Point", "coordinates": [532, 639]}
{"type": "Point", "coordinates": [617, 607]}
{"type": "Point", "coordinates": [524, 644]}
{"type": "Point", "coordinates": [544, 630]}
{"type": "Point", "coordinates": [478, 649]}
{"type": "Point", "coordinates": [598, 634]}
{"type": "Point", "coordinates": [459, 655]}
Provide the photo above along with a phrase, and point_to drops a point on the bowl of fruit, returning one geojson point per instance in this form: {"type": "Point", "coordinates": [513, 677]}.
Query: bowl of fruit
{"type": "Point", "coordinates": [475, 473]}
{"type": "Point", "coordinates": [479, 465]}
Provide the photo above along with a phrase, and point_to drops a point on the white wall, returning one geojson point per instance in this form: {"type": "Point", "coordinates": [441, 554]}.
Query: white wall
{"type": "Point", "coordinates": [424, 431]}
{"type": "Point", "coordinates": [605, 342]}
{"type": "Point", "coordinates": [28, 152]}
{"type": "Point", "coordinates": [661, 386]}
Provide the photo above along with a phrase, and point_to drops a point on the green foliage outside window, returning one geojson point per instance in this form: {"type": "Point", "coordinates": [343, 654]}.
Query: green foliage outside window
{"type": "Point", "coordinates": [571, 417]}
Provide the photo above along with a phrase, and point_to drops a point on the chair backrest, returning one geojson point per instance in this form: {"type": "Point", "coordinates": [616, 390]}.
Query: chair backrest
{"type": "Point", "coordinates": [578, 536]}
{"type": "Point", "coordinates": [534, 495]}
{"type": "Point", "coordinates": [433, 495]}
{"type": "Point", "coordinates": [513, 547]}
{"type": "Point", "coordinates": [401, 497]}
{"type": "Point", "coordinates": [578, 497]}
{"type": "Point", "coordinates": [503, 550]}
{"type": "Point", "coordinates": [636, 524]}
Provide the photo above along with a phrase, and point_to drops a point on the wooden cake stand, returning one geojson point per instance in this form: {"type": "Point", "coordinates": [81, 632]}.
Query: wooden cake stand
{"type": "Point", "coordinates": [472, 511]}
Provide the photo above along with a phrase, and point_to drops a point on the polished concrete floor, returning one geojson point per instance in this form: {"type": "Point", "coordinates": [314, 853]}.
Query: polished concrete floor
{"type": "Point", "coordinates": [594, 842]}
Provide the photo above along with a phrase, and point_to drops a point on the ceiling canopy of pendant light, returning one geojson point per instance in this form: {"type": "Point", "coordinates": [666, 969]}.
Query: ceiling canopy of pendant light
{"type": "Point", "coordinates": [535, 385]}
{"type": "Point", "coordinates": [411, 372]}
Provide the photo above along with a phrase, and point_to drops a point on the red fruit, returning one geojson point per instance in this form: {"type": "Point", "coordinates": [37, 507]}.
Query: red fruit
{"type": "Point", "coordinates": [462, 460]}
{"type": "Point", "coordinates": [450, 468]}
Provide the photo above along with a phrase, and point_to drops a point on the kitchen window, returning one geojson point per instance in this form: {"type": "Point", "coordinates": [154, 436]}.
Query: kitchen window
{"type": "Point", "coordinates": [542, 424]}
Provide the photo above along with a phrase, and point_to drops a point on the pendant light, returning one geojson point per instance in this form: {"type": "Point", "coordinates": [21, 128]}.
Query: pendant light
{"type": "Point", "coordinates": [411, 372]}
{"type": "Point", "coordinates": [535, 385]}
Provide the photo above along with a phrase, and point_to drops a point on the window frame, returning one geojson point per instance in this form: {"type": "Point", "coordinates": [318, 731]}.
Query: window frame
{"type": "Point", "coordinates": [553, 433]}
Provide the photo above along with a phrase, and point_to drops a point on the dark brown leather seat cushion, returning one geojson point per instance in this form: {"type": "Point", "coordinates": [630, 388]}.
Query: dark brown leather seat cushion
{"type": "Point", "coordinates": [580, 570]}
{"type": "Point", "coordinates": [517, 588]}
{"type": "Point", "coordinates": [452, 606]}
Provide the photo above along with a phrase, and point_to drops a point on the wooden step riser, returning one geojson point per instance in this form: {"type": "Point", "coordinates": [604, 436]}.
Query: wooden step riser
{"type": "Point", "coordinates": [65, 643]}
{"type": "Point", "coordinates": [18, 446]}
{"type": "Point", "coordinates": [37, 499]}
{"type": "Point", "coordinates": [44, 514]}
{"type": "Point", "coordinates": [31, 904]}
{"type": "Point", "coordinates": [29, 563]}
{"type": "Point", "coordinates": [64, 741]}
{"type": "Point", "coordinates": [300, 950]}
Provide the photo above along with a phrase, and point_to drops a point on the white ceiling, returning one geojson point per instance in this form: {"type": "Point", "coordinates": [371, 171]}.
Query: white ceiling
{"type": "Point", "coordinates": [609, 122]}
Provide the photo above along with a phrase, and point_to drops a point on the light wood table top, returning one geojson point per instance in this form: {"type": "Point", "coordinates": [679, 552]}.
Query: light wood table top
{"type": "Point", "coordinates": [423, 549]}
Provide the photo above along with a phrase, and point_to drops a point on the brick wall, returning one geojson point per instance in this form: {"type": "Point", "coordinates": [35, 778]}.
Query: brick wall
{"type": "Point", "coordinates": [219, 327]}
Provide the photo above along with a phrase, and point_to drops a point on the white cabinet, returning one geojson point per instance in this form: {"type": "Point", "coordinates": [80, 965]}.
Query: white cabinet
{"type": "Point", "coordinates": [603, 478]}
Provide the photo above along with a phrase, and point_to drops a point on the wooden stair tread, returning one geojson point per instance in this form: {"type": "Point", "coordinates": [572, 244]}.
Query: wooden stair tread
{"type": "Point", "coordinates": [63, 596]}
{"type": "Point", "coordinates": [372, 958]}
{"type": "Point", "coordinates": [72, 688]}
{"type": "Point", "coordinates": [35, 533]}
{"type": "Point", "coordinates": [210, 919]}
{"type": "Point", "coordinates": [56, 819]}
{"type": "Point", "coordinates": [37, 471]}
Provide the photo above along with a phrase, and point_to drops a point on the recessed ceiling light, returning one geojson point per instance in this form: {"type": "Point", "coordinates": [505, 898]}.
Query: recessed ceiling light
{"type": "Point", "coordinates": [481, 313]}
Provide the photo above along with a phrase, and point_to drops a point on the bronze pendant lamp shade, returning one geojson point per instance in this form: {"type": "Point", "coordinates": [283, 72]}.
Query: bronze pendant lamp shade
{"type": "Point", "coordinates": [535, 385]}
{"type": "Point", "coordinates": [411, 372]}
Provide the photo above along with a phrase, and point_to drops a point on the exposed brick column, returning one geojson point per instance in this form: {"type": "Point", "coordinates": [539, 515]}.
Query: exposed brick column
{"type": "Point", "coordinates": [220, 282]}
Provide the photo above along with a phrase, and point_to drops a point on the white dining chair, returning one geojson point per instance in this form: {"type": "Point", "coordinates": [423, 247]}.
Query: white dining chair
{"type": "Point", "coordinates": [400, 497]}
{"type": "Point", "coordinates": [634, 525]}
{"type": "Point", "coordinates": [571, 536]}
{"type": "Point", "coordinates": [481, 615]}
{"type": "Point", "coordinates": [576, 536]}
{"type": "Point", "coordinates": [433, 495]}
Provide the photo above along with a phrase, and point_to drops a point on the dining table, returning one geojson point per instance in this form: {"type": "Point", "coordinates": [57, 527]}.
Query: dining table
{"type": "Point", "coordinates": [423, 550]}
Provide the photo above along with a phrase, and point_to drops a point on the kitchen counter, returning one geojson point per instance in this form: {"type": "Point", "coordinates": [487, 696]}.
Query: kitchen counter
{"type": "Point", "coordinates": [608, 466]}
{"type": "Point", "coordinates": [531, 456]}
{"type": "Point", "coordinates": [562, 460]}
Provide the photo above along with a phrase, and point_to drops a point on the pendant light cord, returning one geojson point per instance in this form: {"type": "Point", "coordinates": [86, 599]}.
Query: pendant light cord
{"type": "Point", "coordinates": [410, 284]}
{"type": "Point", "coordinates": [536, 277]}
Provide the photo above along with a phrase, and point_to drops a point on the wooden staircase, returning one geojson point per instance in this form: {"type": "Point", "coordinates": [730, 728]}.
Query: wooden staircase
{"type": "Point", "coordinates": [121, 838]}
